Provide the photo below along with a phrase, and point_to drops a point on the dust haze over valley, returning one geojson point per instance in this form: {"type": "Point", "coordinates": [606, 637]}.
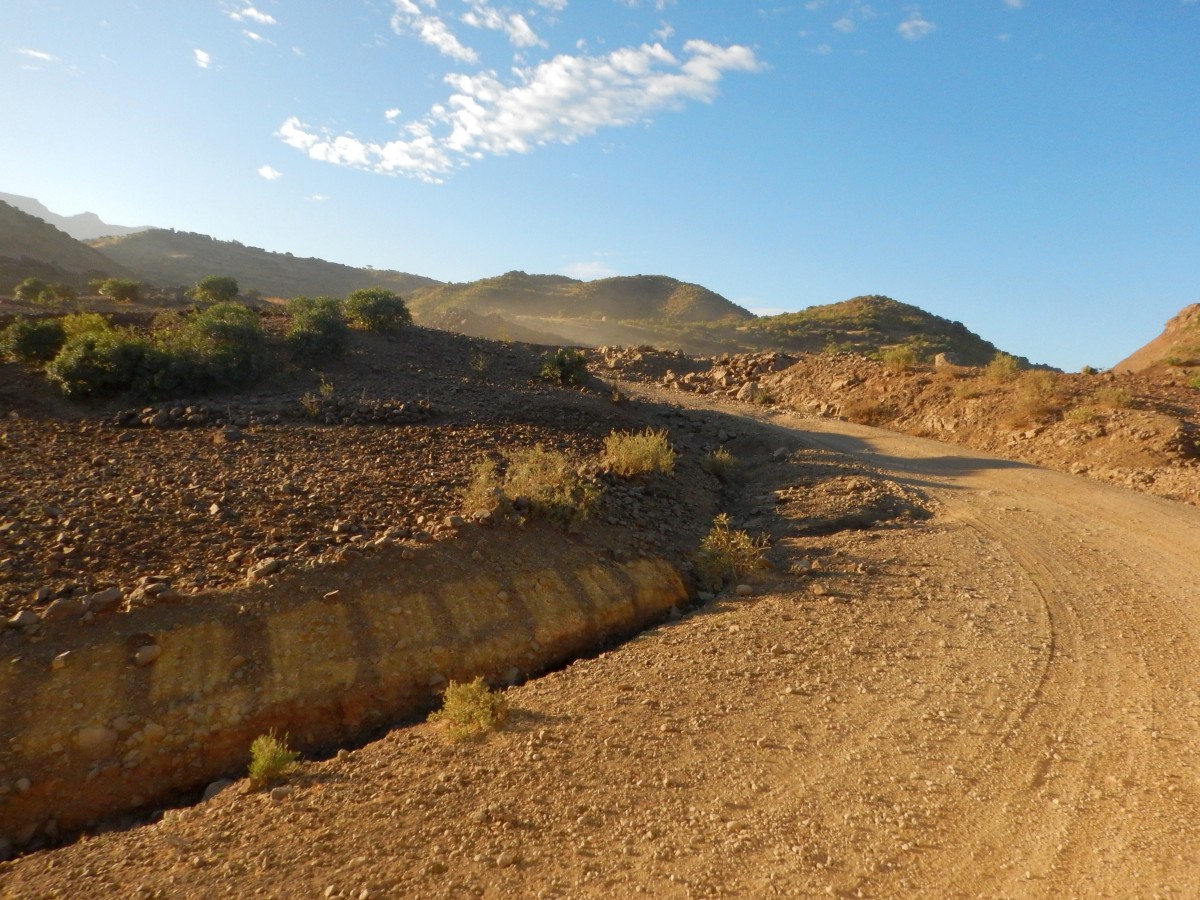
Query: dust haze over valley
{"type": "Point", "coordinates": [964, 664]}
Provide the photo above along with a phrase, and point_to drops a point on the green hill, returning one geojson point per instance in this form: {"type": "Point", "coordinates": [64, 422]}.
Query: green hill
{"type": "Point", "coordinates": [169, 258]}
{"type": "Point", "coordinates": [868, 325]}
{"type": "Point", "coordinates": [637, 297]}
{"type": "Point", "coordinates": [30, 247]}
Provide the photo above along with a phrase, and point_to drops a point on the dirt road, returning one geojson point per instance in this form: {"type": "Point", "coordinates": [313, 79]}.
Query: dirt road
{"type": "Point", "coordinates": [1001, 701]}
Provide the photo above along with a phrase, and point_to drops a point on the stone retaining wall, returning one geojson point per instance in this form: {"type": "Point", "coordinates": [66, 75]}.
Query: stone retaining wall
{"type": "Point", "coordinates": [117, 715]}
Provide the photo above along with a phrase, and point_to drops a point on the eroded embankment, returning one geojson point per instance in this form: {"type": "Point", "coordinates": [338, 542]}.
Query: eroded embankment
{"type": "Point", "coordinates": [119, 714]}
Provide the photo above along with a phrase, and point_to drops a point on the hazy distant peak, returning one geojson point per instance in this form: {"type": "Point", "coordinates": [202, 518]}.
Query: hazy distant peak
{"type": "Point", "coordinates": [83, 226]}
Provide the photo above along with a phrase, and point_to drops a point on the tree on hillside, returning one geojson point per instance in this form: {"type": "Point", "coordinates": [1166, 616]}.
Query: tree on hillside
{"type": "Point", "coordinates": [214, 289]}
{"type": "Point", "coordinates": [120, 290]}
{"type": "Point", "coordinates": [377, 309]}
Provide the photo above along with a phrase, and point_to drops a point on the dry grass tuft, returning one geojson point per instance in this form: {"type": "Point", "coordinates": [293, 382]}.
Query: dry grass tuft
{"type": "Point", "coordinates": [470, 709]}
{"type": "Point", "coordinates": [629, 453]}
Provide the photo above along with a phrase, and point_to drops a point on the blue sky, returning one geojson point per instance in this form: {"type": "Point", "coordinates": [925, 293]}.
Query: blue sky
{"type": "Point", "coordinates": [1030, 168]}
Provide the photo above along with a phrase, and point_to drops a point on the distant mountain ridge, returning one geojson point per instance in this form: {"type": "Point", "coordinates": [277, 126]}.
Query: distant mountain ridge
{"type": "Point", "coordinates": [83, 226]}
{"type": "Point", "coordinates": [31, 247]}
{"type": "Point", "coordinates": [169, 258]}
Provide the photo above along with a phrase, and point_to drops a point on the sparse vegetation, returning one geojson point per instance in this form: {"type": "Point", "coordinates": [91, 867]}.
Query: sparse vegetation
{"type": "Point", "coordinates": [1002, 368]}
{"type": "Point", "coordinates": [377, 309]}
{"type": "Point", "coordinates": [565, 366]}
{"type": "Point", "coordinates": [30, 289]}
{"type": "Point", "coordinates": [271, 759]}
{"type": "Point", "coordinates": [725, 553]}
{"type": "Point", "coordinates": [120, 290]}
{"type": "Point", "coordinates": [899, 359]}
{"type": "Point", "coordinates": [720, 463]}
{"type": "Point", "coordinates": [1113, 397]}
{"type": "Point", "coordinates": [641, 453]}
{"type": "Point", "coordinates": [470, 709]}
{"type": "Point", "coordinates": [535, 480]}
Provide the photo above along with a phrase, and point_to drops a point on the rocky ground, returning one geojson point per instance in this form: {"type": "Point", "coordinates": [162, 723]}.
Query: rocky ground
{"type": "Point", "coordinates": [1137, 430]}
{"type": "Point", "coordinates": [909, 699]}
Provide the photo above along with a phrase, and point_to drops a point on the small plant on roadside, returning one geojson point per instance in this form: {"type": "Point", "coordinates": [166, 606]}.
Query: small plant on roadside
{"type": "Point", "coordinates": [538, 480]}
{"type": "Point", "coordinates": [271, 759]}
{"type": "Point", "coordinates": [564, 366]}
{"type": "Point", "coordinates": [317, 329]}
{"type": "Point", "coordinates": [639, 453]}
{"type": "Point", "coordinates": [1194, 382]}
{"type": "Point", "coordinates": [1081, 415]}
{"type": "Point", "coordinates": [484, 488]}
{"type": "Point", "coordinates": [470, 709]}
{"type": "Point", "coordinates": [720, 463]}
{"type": "Point", "coordinates": [724, 554]}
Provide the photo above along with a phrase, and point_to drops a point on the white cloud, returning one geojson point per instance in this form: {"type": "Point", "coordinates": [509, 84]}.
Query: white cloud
{"type": "Point", "coordinates": [318, 198]}
{"type": "Point", "coordinates": [269, 173]}
{"type": "Point", "coordinates": [250, 14]}
{"type": "Point", "coordinates": [589, 271]}
{"type": "Point", "coordinates": [391, 114]}
{"type": "Point", "coordinates": [519, 32]}
{"type": "Point", "coordinates": [845, 25]}
{"type": "Point", "coordinates": [1015, 4]}
{"type": "Point", "coordinates": [665, 31]}
{"type": "Point", "coordinates": [256, 37]}
{"type": "Point", "coordinates": [915, 27]}
{"type": "Point", "coordinates": [552, 5]}
{"type": "Point", "coordinates": [823, 50]}
{"type": "Point", "coordinates": [203, 60]}
{"type": "Point", "coordinates": [555, 102]}
{"type": "Point", "coordinates": [430, 29]}
{"type": "Point", "coordinates": [39, 55]}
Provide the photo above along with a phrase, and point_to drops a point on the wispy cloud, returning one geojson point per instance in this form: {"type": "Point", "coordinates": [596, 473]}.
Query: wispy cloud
{"type": "Point", "coordinates": [391, 114]}
{"type": "Point", "coordinates": [915, 27]}
{"type": "Point", "coordinates": [515, 25]}
{"type": "Point", "coordinates": [554, 102]}
{"type": "Point", "coordinates": [1015, 4]}
{"type": "Point", "coordinates": [39, 55]}
{"type": "Point", "coordinates": [430, 29]}
{"type": "Point", "coordinates": [203, 59]}
{"type": "Point", "coordinates": [269, 173]}
{"type": "Point", "coordinates": [589, 271]}
{"type": "Point", "coordinates": [250, 14]}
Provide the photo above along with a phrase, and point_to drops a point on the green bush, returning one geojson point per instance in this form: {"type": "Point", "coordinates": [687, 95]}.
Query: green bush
{"type": "Point", "coordinates": [899, 359]}
{"type": "Point", "coordinates": [470, 709]}
{"type": "Point", "coordinates": [121, 290]}
{"type": "Point", "coordinates": [224, 344]}
{"type": "Point", "coordinates": [318, 329]}
{"type": "Point", "coordinates": [33, 340]}
{"type": "Point", "coordinates": [1002, 367]}
{"type": "Point", "coordinates": [566, 366]}
{"type": "Point", "coordinates": [271, 759]}
{"type": "Point", "coordinates": [29, 289]}
{"type": "Point", "coordinates": [724, 554]}
{"type": "Point", "coordinates": [377, 309]}
{"type": "Point", "coordinates": [214, 289]}
{"type": "Point", "coordinates": [98, 363]}
{"type": "Point", "coordinates": [720, 463]}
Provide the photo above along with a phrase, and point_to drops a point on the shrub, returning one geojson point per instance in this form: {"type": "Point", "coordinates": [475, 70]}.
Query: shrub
{"type": "Point", "coordinates": [470, 709]}
{"type": "Point", "coordinates": [33, 340]}
{"type": "Point", "coordinates": [1088, 370]}
{"type": "Point", "coordinates": [224, 345]}
{"type": "Point", "coordinates": [898, 359]}
{"type": "Point", "coordinates": [120, 290]}
{"type": "Point", "coordinates": [725, 554]}
{"type": "Point", "coordinates": [720, 463]}
{"type": "Point", "coordinates": [317, 330]}
{"type": "Point", "coordinates": [29, 289]}
{"type": "Point", "coordinates": [1113, 397]}
{"type": "Point", "coordinates": [1194, 382]}
{"type": "Point", "coordinates": [377, 309]}
{"type": "Point", "coordinates": [566, 366]}
{"type": "Point", "coordinates": [96, 363]}
{"type": "Point", "coordinates": [629, 454]}
{"type": "Point", "coordinates": [214, 289]}
{"type": "Point", "coordinates": [548, 480]}
{"type": "Point", "coordinates": [271, 759]}
{"type": "Point", "coordinates": [1002, 367]}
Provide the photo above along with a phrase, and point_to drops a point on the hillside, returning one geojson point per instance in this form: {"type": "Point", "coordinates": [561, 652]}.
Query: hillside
{"type": "Point", "coordinates": [171, 258]}
{"type": "Point", "coordinates": [868, 325]}
{"type": "Point", "coordinates": [639, 297]}
{"type": "Point", "coordinates": [1178, 345]}
{"type": "Point", "coordinates": [83, 226]}
{"type": "Point", "coordinates": [31, 247]}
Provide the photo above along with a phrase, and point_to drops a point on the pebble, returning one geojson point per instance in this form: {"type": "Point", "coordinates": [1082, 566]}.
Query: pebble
{"type": "Point", "coordinates": [215, 788]}
{"type": "Point", "coordinates": [26, 618]}
{"type": "Point", "coordinates": [148, 654]}
{"type": "Point", "coordinates": [281, 793]}
{"type": "Point", "coordinates": [506, 858]}
{"type": "Point", "coordinates": [743, 590]}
